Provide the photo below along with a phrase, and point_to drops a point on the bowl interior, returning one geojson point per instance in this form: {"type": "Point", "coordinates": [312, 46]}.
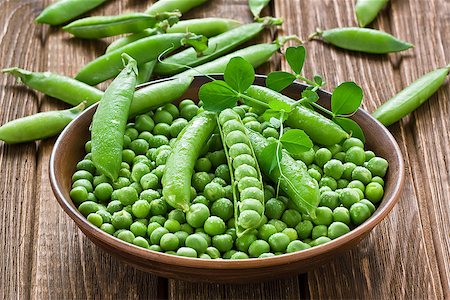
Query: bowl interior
{"type": "Point", "coordinates": [69, 150]}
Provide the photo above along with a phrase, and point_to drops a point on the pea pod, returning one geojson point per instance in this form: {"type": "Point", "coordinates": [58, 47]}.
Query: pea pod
{"type": "Point", "coordinates": [319, 128]}
{"type": "Point", "coordinates": [57, 86]}
{"type": "Point", "coordinates": [105, 26]}
{"type": "Point", "coordinates": [145, 50]}
{"type": "Point", "coordinates": [256, 55]}
{"type": "Point", "coordinates": [362, 40]}
{"type": "Point", "coordinates": [177, 176]}
{"type": "Point", "coordinates": [218, 46]}
{"type": "Point", "coordinates": [110, 120]}
{"type": "Point", "coordinates": [171, 5]}
{"type": "Point", "coordinates": [145, 72]}
{"type": "Point", "coordinates": [367, 10]}
{"type": "Point", "coordinates": [301, 188]}
{"type": "Point", "coordinates": [38, 126]}
{"type": "Point", "coordinates": [411, 97]}
{"type": "Point", "coordinates": [65, 10]}
{"type": "Point", "coordinates": [246, 178]}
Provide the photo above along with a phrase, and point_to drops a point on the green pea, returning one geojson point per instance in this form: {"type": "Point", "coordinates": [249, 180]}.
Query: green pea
{"type": "Point", "coordinates": [95, 219]}
{"type": "Point", "coordinates": [127, 195]}
{"type": "Point", "coordinates": [126, 236]}
{"type": "Point", "coordinates": [291, 233]}
{"type": "Point", "coordinates": [169, 241]}
{"type": "Point", "coordinates": [121, 219]}
{"type": "Point", "coordinates": [149, 195]}
{"type": "Point", "coordinates": [82, 174]}
{"type": "Point", "coordinates": [213, 191]}
{"type": "Point", "coordinates": [279, 241]}
{"type": "Point", "coordinates": [138, 229]}
{"type": "Point", "coordinates": [157, 234]}
{"type": "Point", "coordinates": [214, 226]}
{"type": "Point", "coordinates": [203, 165]}
{"type": "Point", "coordinates": [223, 242]}
{"type": "Point", "coordinates": [163, 116]}
{"type": "Point", "coordinates": [369, 204]}
{"type": "Point", "coordinates": [328, 181]}
{"type": "Point", "coordinates": [306, 156]}
{"type": "Point", "coordinates": [249, 219]}
{"type": "Point", "coordinates": [362, 174]}
{"type": "Point", "coordinates": [217, 158]}
{"type": "Point", "coordinates": [377, 166]}
{"type": "Point", "coordinates": [340, 156]}
{"type": "Point", "coordinates": [295, 246]}
{"type": "Point", "coordinates": [355, 155]}
{"type": "Point", "coordinates": [223, 172]}
{"type": "Point", "coordinates": [342, 183]}
{"type": "Point", "coordinates": [196, 242]}
{"type": "Point", "coordinates": [158, 219]}
{"type": "Point", "coordinates": [359, 212]}
{"type": "Point", "coordinates": [352, 142]}
{"type": "Point", "coordinates": [239, 255]}
{"type": "Point", "coordinates": [239, 149]}
{"type": "Point", "coordinates": [158, 207]}
{"type": "Point", "coordinates": [266, 230]}
{"type": "Point", "coordinates": [320, 241]}
{"type": "Point", "coordinates": [177, 126]}
{"type": "Point", "coordinates": [140, 208]}
{"type": "Point", "coordinates": [188, 112]}
{"type": "Point", "coordinates": [84, 183]}
{"type": "Point", "coordinates": [141, 242]}
{"type": "Point", "coordinates": [222, 208]}
{"type": "Point", "coordinates": [315, 174]}
{"type": "Point", "coordinates": [304, 229]}
{"type": "Point", "coordinates": [108, 228]}
{"type": "Point", "coordinates": [322, 156]}
{"type": "Point", "coordinates": [374, 192]}
{"type": "Point", "coordinates": [244, 171]}
{"type": "Point", "coordinates": [197, 215]}
{"type": "Point", "coordinates": [348, 197]}
{"type": "Point", "coordinates": [254, 125]}
{"type": "Point", "coordinates": [348, 169]}
{"type": "Point", "coordinates": [333, 168]}
{"type": "Point", "coordinates": [318, 231]}
{"type": "Point", "coordinates": [324, 216]}
{"type": "Point", "coordinates": [79, 194]}
{"type": "Point", "coordinates": [86, 165]}
{"type": "Point", "coordinates": [291, 217]}
{"type": "Point", "coordinates": [279, 225]}
{"type": "Point", "coordinates": [244, 241]}
{"type": "Point", "coordinates": [337, 229]}
{"type": "Point", "coordinates": [144, 123]}
{"type": "Point", "coordinates": [271, 132]}
{"type": "Point", "coordinates": [88, 207]}
{"type": "Point", "coordinates": [149, 181]}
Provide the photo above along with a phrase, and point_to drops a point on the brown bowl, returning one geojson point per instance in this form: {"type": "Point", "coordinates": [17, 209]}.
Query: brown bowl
{"type": "Point", "coordinates": [69, 149]}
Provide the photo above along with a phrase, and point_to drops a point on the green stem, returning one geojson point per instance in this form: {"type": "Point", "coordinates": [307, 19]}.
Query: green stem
{"type": "Point", "coordinates": [323, 109]}
{"type": "Point", "coordinates": [306, 80]}
{"type": "Point", "coordinates": [259, 102]}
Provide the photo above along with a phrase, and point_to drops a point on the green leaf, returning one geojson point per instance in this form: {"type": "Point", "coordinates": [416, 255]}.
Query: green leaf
{"type": "Point", "coordinates": [239, 74]}
{"type": "Point", "coordinates": [256, 6]}
{"type": "Point", "coordinates": [278, 81]}
{"type": "Point", "coordinates": [318, 80]}
{"type": "Point", "coordinates": [310, 96]}
{"type": "Point", "coordinates": [271, 113]}
{"type": "Point", "coordinates": [351, 127]}
{"type": "Point", "coordinates": [296, 141]}
{"type": "Point", "coordinates": [217, 96]}
{"type": "Point", "coordinates": [295, 57]}
{"type": "Point", "coordinates": [269, 156]}
{"type": "Point", "coordinates": [280, 106]}
{"type": "Point", "coordinates": [346, 98]}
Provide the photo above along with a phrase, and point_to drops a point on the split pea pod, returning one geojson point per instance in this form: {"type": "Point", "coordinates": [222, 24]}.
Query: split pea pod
{"type": "Point", "coordinates": [39, 126]}
{"type": "Point", "coordinates": [256, 55]}
{"type": "Point", "coordinates": [206, 26]}
{"type": "Point", "coordinates": [179, 169]}
{"type": "Point", "coordinates": [217, 46]}
{"type": "Point", "coordinates": [145, 50]}
{"type": "Point", "coordinates": [295, 181]}
{"type": "Point", "coordinates": [411, 97]}
{"type": "Point", "coordinates": [246, 178]}
{"type": "Point", "coordinates": [319, 128]}
{"type": "Point", "coordinates": [57, 86]}
{"type": "Point", "coordinates": [110, 120]}
{"type": "Point", "coordinates": [105, 26]}
{"type": "Point", "coordinates": [171, 5]}
{"type": "Point", "coordinates": [362, 40]}
{"type": "Point", "coordinates": [65, 10]}
{"type": "Point", "coordinates": [367, 10]}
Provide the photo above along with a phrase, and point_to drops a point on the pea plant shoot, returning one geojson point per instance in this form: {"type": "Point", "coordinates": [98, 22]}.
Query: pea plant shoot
{"type": "Point", "coordinates": [256, 6]}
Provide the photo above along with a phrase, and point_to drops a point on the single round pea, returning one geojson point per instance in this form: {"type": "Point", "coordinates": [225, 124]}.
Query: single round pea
{"type": "Point", "coordinates": [187, 252]}
{"type": "Point", "coordinates": [279, 241]}
{"type": "Point", "coordinates": [266, 230]}
{"type": "Point", "coordinates": [232, 125]}
{"type": "Point", "coordinates": [342, 183]}
{"type": "Point", "coordinates": [223, 242]}
{"type": "Point", "coordinates": [121, 219]}
{"type": "Point", "coordinates": [352, 142]}
{"type": "Point", "coordinates": [341, 214]}
{"type": "Point", "coordinates": [86, 165]}
{"type": "Point", "coordinates": [217, 158]}
{"type": "Point", "coordinates": [189, 111]}
{"type": "Point", "coordinates": [348, 169]}
{"type": "Point", "coordinates": [362, 174]}
{"type": "Point", "coordinates": [126, 236]}
{"type": "Point", "coordinates": [163, 116]}
{"type": "Point", "coordinates": [291, 217]}
{"type": "Point", "coordinates": [127, 195]}
{"type": "Point", "coordinates": [85, 183]}
{"type": "Point", "coordinates": [106, 216]}
{"type": "Point", "coordinates": [172, 225]}
{"type": "Point", "coordinates": [222, 208]}
{"type": "Point", "coordinates": [359, 212]}
{"type": "Point", "coordinates": [158, 207]}
{"type": "Point", "coordinates": [369, 204]}
{"type": "Point", "coordinates": [185, 103]}
{"type": "Point", "coordinates": [169, 241]}
{"type": "Point", "coordinates": [155, 248]}
{"type": "Point", "coordinates": [348, 197]}
{"type": "Point", "coordinates": [296, 245]}
{"type": "Point", "coordinates": [333, 168]}
{"type": "Point", "coordinates": [103, 191]}
{"type": "Point", "coordinates": [197, 215]}
{"type": "Point", "coordinates": [236, 137]}
{"type": "Point", "coordinates": [200, 180]}
{"type": "Point", "coordinates": [251, 204]}
{"type": "Point", "coordinates": [158, 141]}
{"type": "Point", "coordinates": [244, 241]}
{"type": "Point", "coordinates": [322, 156]}
{"type": "Point", "coordinates": [291, 233]}
{"type": "Point", "coordinates": [270, 132]}
{"type": "Point", "coordinates": [172, 109]}
{"type": "Point", "coordinates": [279, 225]}
{"type": "Point", "coordinates": [177, 215]}
{"type": "Point", "coordinates": [88, 207]}
{"type": "Point", "coordinates": [202, 200]}
{"type": "Point", "coordinates": [374, 192]}
{"type": "Point", "coordinates": [108, 228]}
{"type": "Point", "coordinates": [378, 179]}
{"type": "Point", "coordinates": [187, 228]}
{"type": "Point", "coordinates": [223, 172]}
{"type": "Point", "coordinates": [239, 255]}
{"type": "Point", "coordinates": [328, 181]}
{"type": "Point", "coordinates": [329, 199]}
{"type": "Point", "coordinates": [213, 252]}
{"type": "Point", "coordinates": [141, 242]}
{"type": "Point", "coordinates": [95, 219]}
{"type": "Point", "coordinates": [377, 166]}
{"type": "Point", "coordinates": [177, 126]}
{"type": "Point", "coordinates": [356, 184]}
{"type": "Point", "coordinates": [266, 255]}
{"type": "Point", "coordinates": [144, 123]}
{"type": "Point", "coordinates": [337, 229]}
{"type": "Point", "coordinates": [355, 155]}
{"type": "Point", "coordinates": [157, 234]}
{"type": "Point", "coordinates": [162, 129]}
{"type": "Point", "coordinates": [138, 229]}
{"type": "Point", "coordinates": [196, 242]}
{"type": "Point", "coordinates": [239, 149]}
{"type": "Point", "coordinates": [320, 241]}
{"type": "Point", "coordinates": [304, 229]}
{"type": "Point", "coordinates": [139, 146]}
{"type": "Point", "coordinates": [318, 231]}
{"type": "Point", "coordinates": [79, 194]}
{"type": "Point", "coordinates": [149, 181]}
{"type": "Point", "coordinates": [149, 195]}
{"type": "Point", "coordinates": [324, 216]}
{"type": "Point", "coordinates": [241, 110]}
{"type": "Point", "coordinates": [214, 226]}
{"type": "Point", "coordinates": [315, 174]}
{"type": "Point", "coordinates": [213, 191]}
{"type": "Point", "coordinates": [82, 174]}
{"type": "Point", "coordinates": [114, 206]}
{"type": "Point", "coordinates": [182, 236]}
{"type": "Point", "coordinates": [203, 165]}
{"type": "Point", "coordinates": [249, 219]}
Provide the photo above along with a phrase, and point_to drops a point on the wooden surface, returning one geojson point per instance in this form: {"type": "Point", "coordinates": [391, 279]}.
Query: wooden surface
{"type": "Point", "coordinates": [43, 255]}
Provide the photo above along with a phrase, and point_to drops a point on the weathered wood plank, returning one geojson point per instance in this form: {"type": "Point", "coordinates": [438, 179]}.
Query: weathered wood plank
{"type": "Point", "coordinates": [381, 264]}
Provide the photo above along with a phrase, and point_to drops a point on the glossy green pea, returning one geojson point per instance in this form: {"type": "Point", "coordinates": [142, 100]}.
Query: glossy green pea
{"type": "Point", "coordinates": [65, 10]}
{"type": "Point", "coordinates": [180, 164]}
{"type": "Point", "coordinates": [38, 126]}
{"type": "Point", "coordinates": [171, 5]}
{"type": "Point", "coordinates": [362, 40]}
{"type": "Point", "coordinates": [320, 129]}
{"type": "Point", "coordinates": [105, 26]}
{"type": "Point", "coordinates": [144, 50]}
{"type": "Point", "coordinates": [410, 98]}
{"type": "Point", "coordinates": [367, 10]}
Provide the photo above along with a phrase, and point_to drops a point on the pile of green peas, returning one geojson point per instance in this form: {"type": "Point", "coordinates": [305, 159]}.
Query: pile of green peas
{"type": "Point", "coordinates": [133, 210]}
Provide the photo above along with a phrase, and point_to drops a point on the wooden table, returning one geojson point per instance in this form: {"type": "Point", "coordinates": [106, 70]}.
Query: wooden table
{"type": "Point", "coordinates": [44, 255]}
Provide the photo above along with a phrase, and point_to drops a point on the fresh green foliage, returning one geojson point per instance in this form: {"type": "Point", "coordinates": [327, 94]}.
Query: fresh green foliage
{"type": "Point", "coordinates": [346, 99]}
{"type": "Point", "coordinates": [296, 141]}
{"type": "Point", "coordinates": [256, 6]}
{"type": "Point", "coordinates": [278, 81]}
{"type": "Point", "coordinates": [272, 155]}
{"type": "Point", "coordinates": [295, 57]}
{"type": "Point", "coordinates": [217, 96]}
{"type": "Point", "coordinates": [351, 127]}
{"type": "Point", "coordinates": [239, 74]}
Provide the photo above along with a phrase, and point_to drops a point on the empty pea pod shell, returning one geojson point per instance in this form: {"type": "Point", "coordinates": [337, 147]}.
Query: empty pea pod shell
{"type": "Point", "coordinates": [105, 26]}
{"type": "Point", "coordinates": [411, 97]}
{"type": "Point", "coordinates": [39, 126]}
{"type": "Point", "coordinates": [367, 10]}
{"type": "Point", "coordinates": [362, 40]}
{"type": "Point", "coordinates": [171, 5]}
{"type": "Point", "coordinates": [65, 10]}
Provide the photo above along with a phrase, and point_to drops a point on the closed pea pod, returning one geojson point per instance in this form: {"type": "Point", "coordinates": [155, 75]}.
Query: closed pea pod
{"type": "Point", "coordinates": [171, 5]}
{"type": "Point", "coordinates": [367, 10]}
{"type": "Point", "coordinates": [319, 128]}
{"type": "Point", "coordinates": [179, 168]}
{"type": "Point", "coordinates": [362, 40]}
{"type": "Point", "coordinates": [105, 26]}
{"type": "Point", "coordinates": [109, 121]}
{"type": "Point", "coordinates": [57, 86]}
{"type": "Point", "coordinates": [411, 97]}
{"type": "Point", "coordinates": [65, 10]}
{"type": "Point", "coordinates": [38, 126]}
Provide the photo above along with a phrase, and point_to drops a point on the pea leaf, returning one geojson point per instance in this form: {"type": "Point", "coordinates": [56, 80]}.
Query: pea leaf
{"type": "Point", "coordinates": [351, 127]}
{"type": "Point", "coordinates": [272, 113]}
{"type": "Point", "coordinates": [278, 81]}
{"type": "Point", "coordinates": [239, 74]}
{"type": "Point", "coordinates": [270, 156]}
{"type": "Point", "coordinates": [280, 106]}
{"type": "Point", "coordinates": [256, 6]}
{"type": "Point", "coordinates": [346, 98]}
{"type": "Point", "coordinates": [318, 80]}
{"type": "Point", "coordinates": [295, 57]}
{"type": "Point", "coordinates": [217, 96]}
{"type": "Point", "coordinates": [296, 141]}
{"type": "Point", "coordinates": [310, 96]}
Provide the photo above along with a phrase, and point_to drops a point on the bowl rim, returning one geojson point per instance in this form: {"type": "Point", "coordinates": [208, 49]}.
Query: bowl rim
{"type": "Point", "coordinates": [199, 263]}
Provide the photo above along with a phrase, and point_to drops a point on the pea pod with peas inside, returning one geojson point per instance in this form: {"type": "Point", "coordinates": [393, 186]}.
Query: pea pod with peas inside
{"type": "Point", "coordinates": [39, 126]}
{"type": "Point", "coordinates": [65, 10]}
{"type": "Point", "coordinates": [144, 50]}
{"type": "Point", "coordinates": [367, 10]}
{"type": "Point", "coordinates": [110, 119]}
{"type": "Point", "coordinates": [246, 178]}
{"type": "Point", "coordinates": [319, 128]}
{"type": "Point", "coordinates": [179, 168]}
{"type": "Point", "coordinates": [411, 97]}
{"type": "Point", "coordinates": [301, 188]}
{"type": "Point", "coordinates": [171, 5]}
{"type": "Point", "coordinates": [362, 40]}
{"type": "Point", "coordinates": [105, 26]}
